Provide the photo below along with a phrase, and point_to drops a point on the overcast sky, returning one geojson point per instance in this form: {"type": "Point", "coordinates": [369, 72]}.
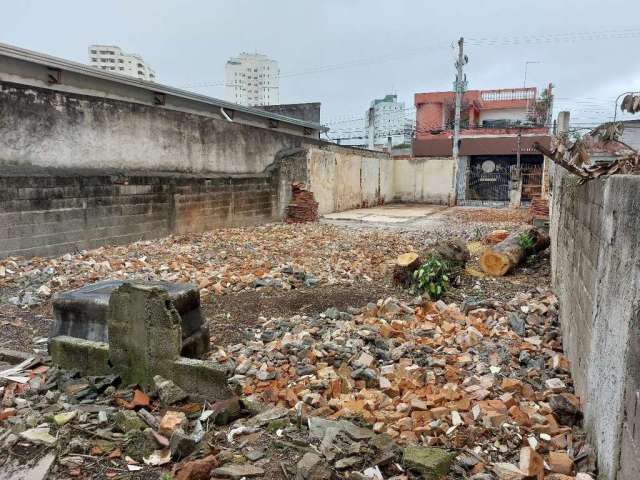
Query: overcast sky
{"type": "Point", "coordinates": [380, 47]}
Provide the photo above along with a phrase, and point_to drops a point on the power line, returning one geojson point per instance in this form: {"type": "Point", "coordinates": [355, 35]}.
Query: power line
{"type": "Point", "coordinates": [563, 37]}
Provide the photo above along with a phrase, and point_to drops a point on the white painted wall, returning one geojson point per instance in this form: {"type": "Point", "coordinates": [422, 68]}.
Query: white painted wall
{"type": "Point", "coordinates": [427, 179]}
{"type": "Point", "coordinates": [504, 114]}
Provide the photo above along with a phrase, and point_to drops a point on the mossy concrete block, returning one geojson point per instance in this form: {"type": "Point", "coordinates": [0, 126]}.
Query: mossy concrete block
{"type": "Point", "coordinates": [145, 335]}
{"type": "Point", "coordinates": [431, 463]}
{"type": "Point", "coordinates": [201, 378]}
{"type": "Point", "coordinates": [71, 353]}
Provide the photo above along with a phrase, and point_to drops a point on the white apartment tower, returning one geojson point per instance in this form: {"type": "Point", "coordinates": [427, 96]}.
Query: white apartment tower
{"type": "Point", "coordinates": [113, 59]}
{"type": "Point", "coordinates": [252, 79]}
{"type": "Point", "coordinates": [388, 121]}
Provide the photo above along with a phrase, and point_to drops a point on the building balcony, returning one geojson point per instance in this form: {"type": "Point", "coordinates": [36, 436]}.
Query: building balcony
{"type": "Point", "coordinates": [508, 94]}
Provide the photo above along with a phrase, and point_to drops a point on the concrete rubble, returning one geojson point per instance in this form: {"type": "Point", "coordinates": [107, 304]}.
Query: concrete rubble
{"type": "Point", "coordinates": [400, 388]}
{"type": "Point", "coordinates": [390, 389]}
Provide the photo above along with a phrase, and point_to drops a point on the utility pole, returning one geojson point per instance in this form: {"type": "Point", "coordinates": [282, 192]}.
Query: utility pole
{"type": "Point", "coordinates": [462, 60]}
{"type": "Point", "coordinates": [515, 195]}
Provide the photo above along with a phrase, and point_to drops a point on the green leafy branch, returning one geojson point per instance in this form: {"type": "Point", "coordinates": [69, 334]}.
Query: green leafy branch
{"type": "Point", "coordinates": [433, 276]}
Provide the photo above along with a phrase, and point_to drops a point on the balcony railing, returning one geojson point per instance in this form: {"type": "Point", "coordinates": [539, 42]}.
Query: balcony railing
{"type": "Point", "coordinates": [508, 94]}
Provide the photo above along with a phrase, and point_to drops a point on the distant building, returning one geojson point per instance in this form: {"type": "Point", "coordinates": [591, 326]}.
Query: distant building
{"type": "Point", "coordinates": [252, 79]}
{"type": "Point", "coordinates": [388, 121]}
{"type": "Point", "coordinates": [113, 59]}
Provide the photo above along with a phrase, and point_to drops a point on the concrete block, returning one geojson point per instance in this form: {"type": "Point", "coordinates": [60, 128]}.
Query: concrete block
{"type": "Point", "coordinates": [71, 353]}
{"type": "Point", "coordinates": [145, 338]}
{"type": "Point", "coordinates": [200, 377]}
{"type": "Point", "coordinates": [82, 313]}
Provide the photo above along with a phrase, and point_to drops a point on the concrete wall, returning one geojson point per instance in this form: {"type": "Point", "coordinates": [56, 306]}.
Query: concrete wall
{"type": "Point", "coordinates": [49, 214]}
{"type": "Point", "coordinates": [428, 180]}
{"type": "Point", "coordinates": [47, 128]}
{"type": "Point", "coordinates": [53, 211]}
{"type": "Point", "coordinates": [309, 112]}
{"type": "Point", "coordinates": [342, 178]}
{"type": "Point", "coordinates": [596, 274]}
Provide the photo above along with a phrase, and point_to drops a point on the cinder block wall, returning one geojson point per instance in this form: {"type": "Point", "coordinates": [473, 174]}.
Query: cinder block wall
{"type": "Point", "coordinates": [596, 275]}
{"type": "Point", "coordinates": [49, 214]}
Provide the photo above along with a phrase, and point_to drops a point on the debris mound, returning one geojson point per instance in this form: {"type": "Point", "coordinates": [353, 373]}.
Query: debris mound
{"type": "Point", "coordinates": [303, 206]}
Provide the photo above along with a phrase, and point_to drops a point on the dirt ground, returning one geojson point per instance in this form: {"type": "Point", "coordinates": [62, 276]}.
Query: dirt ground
{"type": "Point", "coordinates": [226, 312]}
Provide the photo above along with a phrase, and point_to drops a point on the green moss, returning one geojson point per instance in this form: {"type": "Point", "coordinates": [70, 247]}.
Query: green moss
{"type": "Point", "coordinates": [431, 463]}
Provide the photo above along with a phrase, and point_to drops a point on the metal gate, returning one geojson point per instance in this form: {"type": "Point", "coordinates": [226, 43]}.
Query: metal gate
{"type": "Point", "coordinates": [488, 180]}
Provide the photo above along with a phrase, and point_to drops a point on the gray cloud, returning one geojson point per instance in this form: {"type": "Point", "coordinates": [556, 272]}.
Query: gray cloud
{"type": "Point", "coordinates": [407, 43]}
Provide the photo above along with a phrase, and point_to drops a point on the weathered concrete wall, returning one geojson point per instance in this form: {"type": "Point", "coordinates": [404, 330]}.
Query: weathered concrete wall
{"type": "Point", "coordinates": [53, 211]}
{"type": "Point", "coordinates": [47, 128]}
{"type": "Point", "coordinates": [343, 178]}
{"type": "Point", "coordinates": [596, 274]}
{"type": "Point", "coordinates": [47, 214]}
{"type": "Point", "coordinates": [427, 179]}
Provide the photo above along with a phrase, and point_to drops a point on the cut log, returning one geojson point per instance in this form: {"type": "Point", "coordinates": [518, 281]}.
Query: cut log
{"type": "Point", "coordinates": [502, 257]}
{"type": "Point", "coordinates": [406, 264]}
{"type": "Point", "coordinates": [495, 237]}
{"type": "Point", "coordinates": [454, 251]}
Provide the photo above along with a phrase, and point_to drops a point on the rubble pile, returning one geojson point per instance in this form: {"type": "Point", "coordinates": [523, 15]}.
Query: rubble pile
{"type": "Point", "coordinates": [303, 206]}
{"type": "Point", "coordinates": [57, 424]}
{"type": "Point", "coordinates": [220, 261]}
{"type": "Point", "coordinates": [486, 379]}
{"type": "Point", "coordinates": [539, 208]}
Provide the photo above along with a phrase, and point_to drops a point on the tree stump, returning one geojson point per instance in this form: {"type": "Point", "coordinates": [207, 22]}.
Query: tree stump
{"type": "Point", "coordinates": [406, 264]}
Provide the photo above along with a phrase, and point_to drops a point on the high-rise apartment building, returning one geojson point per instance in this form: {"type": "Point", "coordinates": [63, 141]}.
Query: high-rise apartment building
{"type": "Point", "coordinates": [113, 59]}
{"type": "Point", "coordinates": [388, 121]}
{"type": "Point", "coordinates": [252, 79]}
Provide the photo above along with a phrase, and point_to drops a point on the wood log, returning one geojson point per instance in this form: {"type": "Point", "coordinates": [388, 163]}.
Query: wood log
{"type": "Point", "coordinates": [406, 264]}
{"type": "Point", "coordinates": [496, 237]}
{"type": "Point", "coordinates": [454, 251]}
{"type": "Point", "coordinates": [504, 256]}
